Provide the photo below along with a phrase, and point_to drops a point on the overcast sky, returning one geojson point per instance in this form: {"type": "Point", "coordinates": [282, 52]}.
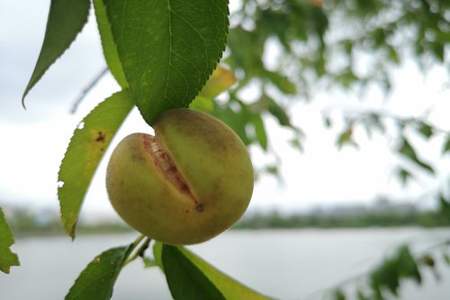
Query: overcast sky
{"type": "Point", "coordinates": [33, 141]}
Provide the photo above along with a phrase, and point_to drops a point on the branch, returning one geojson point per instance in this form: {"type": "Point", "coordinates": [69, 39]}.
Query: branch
{"type": "Point", "coordinates": [87, 89]}
{"type": "Point", "coordinates": [138, 251]}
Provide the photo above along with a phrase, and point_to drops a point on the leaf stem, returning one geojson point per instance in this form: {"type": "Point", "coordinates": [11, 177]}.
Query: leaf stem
{"type": "Point", "coordinates": [138, 251]}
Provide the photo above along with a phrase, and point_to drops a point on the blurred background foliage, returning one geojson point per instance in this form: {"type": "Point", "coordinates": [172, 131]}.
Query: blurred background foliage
{"type": "Point", "coordinates": [321, 45]}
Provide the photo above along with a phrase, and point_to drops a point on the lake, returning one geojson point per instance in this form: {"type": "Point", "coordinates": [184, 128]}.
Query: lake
{"type": "Point", "coordinates": [286, 264]}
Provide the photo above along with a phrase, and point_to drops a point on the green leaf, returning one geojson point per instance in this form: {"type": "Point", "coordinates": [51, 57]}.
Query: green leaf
{"type": "Point", "coordinates": [237, 120]}
{"type": "Point", "coordinates": [447, 258]}
{"type": "Point", "coordinates": [444, 206]}
{"type": "Point", "coordinates": [96, 281]}
{"type": "Point", "coordinates": [157, 254]}
{"type": "Point", "coordinates": [168, 49]}
{"type": "Point", "coordinates": [185, 280]}
{"type": "Point", "coordinates": [339, 295]}
{"type": "Point", "coordinates": [346, 138]}
{"type": "Point", "coordinates": [86, 149]}
{"type": "Point", "coordinates": [230, 288]}
{"type": "Point", "coordinates": [260, 130]}
{"type": "Point", "coordinates": [108, 44]}
{"type": "Point", "coordinates": [272, 170]}
{"type": "Point", "coordinates": [393, 54]}
{"type": "Point", "coordinates": [428, 261]}
{"type": "Point", "coordinates": [277, 111]}
{"type": "Point", "coordinates": [7, 257]}
{"type": "Point", "coordinates": [407, 150]}
{"type": "Point", "coordinates": [426, 130]}
{"type": "Point", "coordinates": [439, 51]}
{"type": "Point", "coordinates": [446, 147]}
{"type": "Point", "coordinates": [281, 82]}
{"type": "Point", "coordinates": [404, 175]}
{"type": "Point", "coordinates": [296, 143]}
{"type": "Point", "coordinates": [407, 265]}
{"type": "Point", "coordinates": [149, 263]}
{"type": "Point", "coordinates": [65, 21]}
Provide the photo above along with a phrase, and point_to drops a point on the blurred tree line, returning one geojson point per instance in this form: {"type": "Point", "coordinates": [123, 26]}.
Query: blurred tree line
{"type": "Point", "coordinates": [27, 221]}
{"type": "Point", "coordinates": [363, 219]}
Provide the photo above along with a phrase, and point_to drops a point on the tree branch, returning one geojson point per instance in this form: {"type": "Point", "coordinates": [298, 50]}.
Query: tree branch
{"type": "Point", "coordinates": [87, 89]}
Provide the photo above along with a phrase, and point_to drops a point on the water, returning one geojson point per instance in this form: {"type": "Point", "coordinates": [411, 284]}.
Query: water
{"type": "Point", "coordinates": [288, 264]}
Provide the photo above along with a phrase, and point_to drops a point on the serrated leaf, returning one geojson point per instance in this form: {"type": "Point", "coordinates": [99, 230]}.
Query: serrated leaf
{"type": "Point", "coordinates": [168, 49]}
{"type": "Point", "coordinates": [85, 151]}
{"type": "Point", "coordinates": [407, 150]}
{"type": "Point", "coordinates": [7, 257]}
{"type": "Point", "coordinates": [230, 288]}
{"type": "Point", "coordinates": [185, 280]}
{"type": "Point", "coordinates": [96, 281]}
{"type": "Point", "coordinates": [65, 20]}
{"type": "Point", "coordinates": [220, 80]}
{"type": "Point", "coordinates": [108, 44]}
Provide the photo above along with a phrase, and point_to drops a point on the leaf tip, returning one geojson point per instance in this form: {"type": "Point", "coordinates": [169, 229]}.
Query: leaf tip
{"type": "Point", "coordinates": [70, 229]}
{"type": "Point", "coordinates": [22, 101]}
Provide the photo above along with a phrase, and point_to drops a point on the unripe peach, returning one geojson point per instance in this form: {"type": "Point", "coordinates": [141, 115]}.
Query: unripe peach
{"type": "Point", "coordinates": [185, 185]}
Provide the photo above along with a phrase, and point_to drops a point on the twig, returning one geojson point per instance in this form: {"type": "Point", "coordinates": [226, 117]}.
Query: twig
{"type": "Point", "coordinates": [87, 89]}
{"type": "Point", "coordinates": [138, 252]}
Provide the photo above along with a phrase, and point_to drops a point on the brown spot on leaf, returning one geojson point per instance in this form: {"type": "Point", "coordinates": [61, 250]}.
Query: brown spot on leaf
{"type": "Point", "coordinates": [101, 136]}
